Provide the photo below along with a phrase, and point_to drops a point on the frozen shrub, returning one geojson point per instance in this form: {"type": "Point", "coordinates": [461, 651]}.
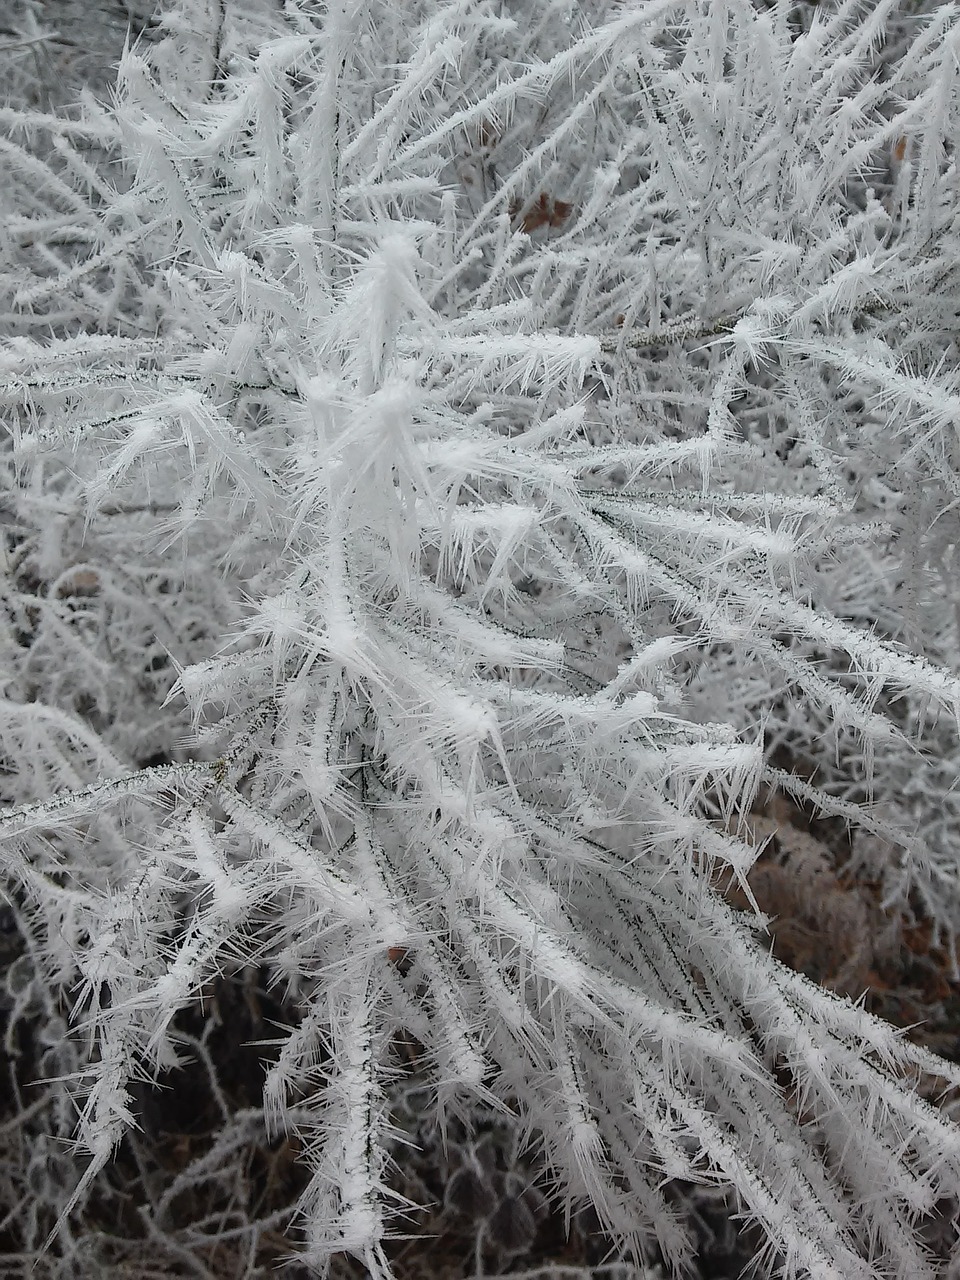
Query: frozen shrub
{"type": "Point", "coordinates": [428, 473]}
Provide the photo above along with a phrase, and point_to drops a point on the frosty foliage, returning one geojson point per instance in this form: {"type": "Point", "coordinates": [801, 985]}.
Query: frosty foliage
{"type": "Point", "coordinates": [454, 450]}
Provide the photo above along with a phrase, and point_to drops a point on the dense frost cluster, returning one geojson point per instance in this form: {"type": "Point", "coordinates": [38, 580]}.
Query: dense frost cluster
{"type": "Point", "coordinates": [457, 455]}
